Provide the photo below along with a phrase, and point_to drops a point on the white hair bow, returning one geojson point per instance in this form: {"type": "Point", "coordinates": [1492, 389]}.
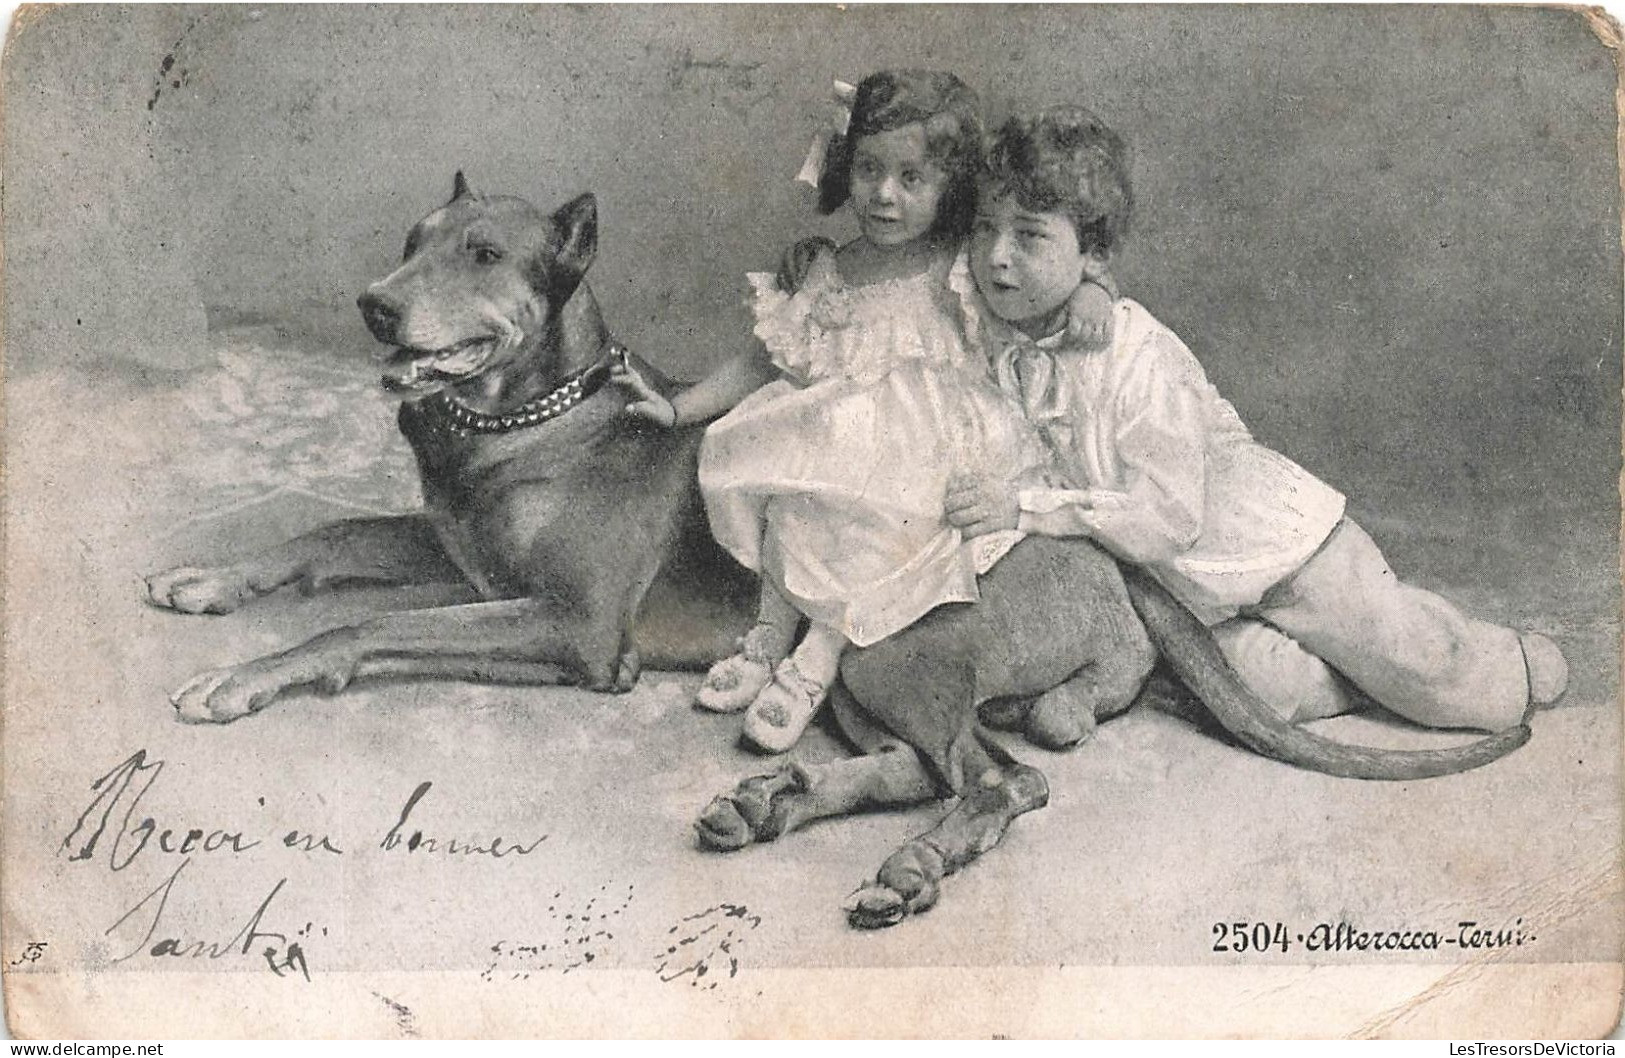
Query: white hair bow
{"type": "Point", "coordinates": [840, 116]}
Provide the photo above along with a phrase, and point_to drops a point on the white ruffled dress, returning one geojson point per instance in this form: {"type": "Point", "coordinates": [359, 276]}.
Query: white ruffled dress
{"type": "Point", "coordinates": [831, 481]}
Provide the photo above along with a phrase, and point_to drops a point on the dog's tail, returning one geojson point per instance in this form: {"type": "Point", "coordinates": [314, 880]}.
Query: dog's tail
{"type": "Point", "coordinates": [1195, 656]}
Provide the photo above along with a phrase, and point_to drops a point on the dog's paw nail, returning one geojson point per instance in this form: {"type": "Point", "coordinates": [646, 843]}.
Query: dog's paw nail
{"type": "Point", "coordinates": [722, 828]}
{"type": "Point", "coordinates": [875, 907]}
{"type": "Point", "coordinates": [188, 711]}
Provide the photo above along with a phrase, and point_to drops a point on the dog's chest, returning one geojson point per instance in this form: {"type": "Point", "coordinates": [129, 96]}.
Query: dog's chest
{"type": "Point", "coordinates": [502, 502]}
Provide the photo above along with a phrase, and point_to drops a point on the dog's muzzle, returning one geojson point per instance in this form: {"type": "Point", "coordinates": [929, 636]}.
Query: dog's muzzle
{"type": "Point", "coordinates": [414, 371]}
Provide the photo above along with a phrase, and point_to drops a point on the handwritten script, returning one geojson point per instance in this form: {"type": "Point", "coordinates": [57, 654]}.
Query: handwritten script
{"type": "Point", "coordinates": [113, 831]}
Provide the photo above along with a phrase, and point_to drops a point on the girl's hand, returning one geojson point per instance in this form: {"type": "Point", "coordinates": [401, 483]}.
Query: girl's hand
{"type": "Point", "coordinates": [647, 403]}
{"type": "Point", "coordinates": [1089, 315]}
{"type": "Point", "coordinates": [977, 505]}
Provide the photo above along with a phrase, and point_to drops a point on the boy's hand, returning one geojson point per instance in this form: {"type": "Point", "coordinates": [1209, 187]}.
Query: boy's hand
{"type": "Point", "coordinates": [648, 402]}
{"type": "Point", "coordinates": [1089, 315]}
{"type": "Point", "coordinates": [978, 505]}
{"type": "Point", "coordinates": [798, 261]}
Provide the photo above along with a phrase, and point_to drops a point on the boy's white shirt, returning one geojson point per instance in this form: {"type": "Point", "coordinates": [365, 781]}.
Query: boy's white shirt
{"type": "Point", "coordinates": [1163, 471]}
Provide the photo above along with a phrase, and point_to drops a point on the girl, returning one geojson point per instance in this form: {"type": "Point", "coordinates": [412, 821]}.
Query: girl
{"type": "Point", "coordinates": [828, 475]}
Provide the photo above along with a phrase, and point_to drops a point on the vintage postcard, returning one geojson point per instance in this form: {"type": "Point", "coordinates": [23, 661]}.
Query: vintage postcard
{"type": "Point", "coordinates": [1126, 545]}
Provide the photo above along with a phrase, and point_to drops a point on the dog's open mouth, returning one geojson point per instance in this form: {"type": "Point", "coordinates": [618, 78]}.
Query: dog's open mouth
{"type": "Point", "coordinates": [409, 370]}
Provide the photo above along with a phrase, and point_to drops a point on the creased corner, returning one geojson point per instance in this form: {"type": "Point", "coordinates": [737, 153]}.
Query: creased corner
{"type": "Point", "coordinates": [1603, 26]}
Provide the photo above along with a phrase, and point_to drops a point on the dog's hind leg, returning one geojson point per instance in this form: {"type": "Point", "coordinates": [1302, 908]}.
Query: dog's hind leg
{"type": "Point", "coordinates": [764, 807]}
{"type": "Point", "coordinates": [910, 879]}
{"type": "Point", "coordinates": [390, 550]}
{"type": "Point", "coordinates": [1066, 715]}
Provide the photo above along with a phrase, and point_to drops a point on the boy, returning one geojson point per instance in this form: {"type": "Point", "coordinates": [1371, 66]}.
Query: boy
{"type": "Point", "coordinates": [1168, 477]}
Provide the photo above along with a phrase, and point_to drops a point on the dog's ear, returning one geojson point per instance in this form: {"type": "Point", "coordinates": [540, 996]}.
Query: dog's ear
{"type": "Point", "coordinates": [577, 223]}
{"type": "Point", "coordinates": [459, 187]}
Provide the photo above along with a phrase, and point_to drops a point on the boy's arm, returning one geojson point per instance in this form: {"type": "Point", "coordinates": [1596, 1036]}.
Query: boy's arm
{"type": "Point", "coordinates": [1158, 453]}
{"type": "Point", "coordinates": [1162, 450]}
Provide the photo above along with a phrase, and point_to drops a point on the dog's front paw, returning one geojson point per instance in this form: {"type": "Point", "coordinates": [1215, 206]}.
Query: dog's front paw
{"type": "Point", "coordinates": [328, 663]}
{"type": "Point", "coordinates": [192, 589]}
{"type": "Point", "coordinates": [220, 696]}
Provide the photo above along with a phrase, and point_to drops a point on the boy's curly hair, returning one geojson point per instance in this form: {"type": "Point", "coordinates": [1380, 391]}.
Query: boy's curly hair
{"type": "Point", "coordinates": [945, 106]}
{"type": "Point", "coordinates": [1064, 159]}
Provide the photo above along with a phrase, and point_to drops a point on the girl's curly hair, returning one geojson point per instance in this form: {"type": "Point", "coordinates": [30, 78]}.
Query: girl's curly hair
{"type": "Point", "coordinates": [945, 106]}
{"type": "Point", "coordinates": [1066, 160]}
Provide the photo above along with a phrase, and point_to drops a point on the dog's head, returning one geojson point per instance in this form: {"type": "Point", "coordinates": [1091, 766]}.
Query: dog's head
{"type": "Point", "coordinates": [482, 285]}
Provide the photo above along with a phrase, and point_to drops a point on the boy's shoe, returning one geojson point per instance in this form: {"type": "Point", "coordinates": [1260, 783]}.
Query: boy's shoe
{"type": "Point", "coordinates": [1548, 672]}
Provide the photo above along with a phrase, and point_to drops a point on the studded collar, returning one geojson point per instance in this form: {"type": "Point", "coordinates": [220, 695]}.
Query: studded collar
{"type": "Point", "coordinates": [460, 419]}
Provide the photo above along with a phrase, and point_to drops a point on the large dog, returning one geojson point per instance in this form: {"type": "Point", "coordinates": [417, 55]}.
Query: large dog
{"type": "Point", "coordinates": [579, 530]}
